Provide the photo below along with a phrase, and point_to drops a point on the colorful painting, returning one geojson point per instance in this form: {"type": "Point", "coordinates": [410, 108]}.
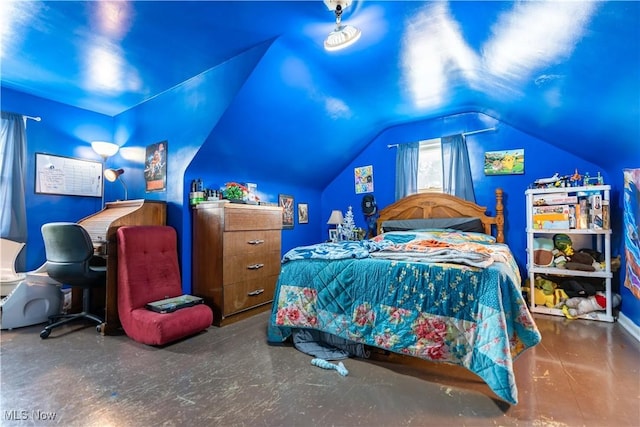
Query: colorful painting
{"type": "Point", "coordinates": [155, 167]}
{"type": "Point", "coordinates": [631, 224]}
{"type": "Point", "coordinates": [364, 179]}
{"type": "Point", "coordinates": [508, 162]}
{"type": "Point", "coordinates": [286, 202]}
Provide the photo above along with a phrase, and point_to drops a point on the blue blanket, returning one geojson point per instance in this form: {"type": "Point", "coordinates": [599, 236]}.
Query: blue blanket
{"type": "Point", "coordinates": [444, 312]}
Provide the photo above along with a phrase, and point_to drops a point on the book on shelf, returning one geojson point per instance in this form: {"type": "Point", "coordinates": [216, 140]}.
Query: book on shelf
{"type": "Point", "coordinates": [554, 199]}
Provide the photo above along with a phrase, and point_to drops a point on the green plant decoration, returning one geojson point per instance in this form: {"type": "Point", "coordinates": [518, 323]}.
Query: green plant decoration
{"type": "Point", "coordinates": [233, 192]}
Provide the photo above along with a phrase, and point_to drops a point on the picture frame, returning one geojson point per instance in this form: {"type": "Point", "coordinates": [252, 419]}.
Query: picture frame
{"type": "Point", "coordinates": [285, 201]}
{"type": "Point", "coordinates": [363, 179]}
{"type": "Point", "coordinates": [155, 167]}
{"type": "Point", "coordinates": [505, 162]}
{"type": "Point", "coordinates": [303, 213]}
{"type": "Point", "coordinates": [333, 234]}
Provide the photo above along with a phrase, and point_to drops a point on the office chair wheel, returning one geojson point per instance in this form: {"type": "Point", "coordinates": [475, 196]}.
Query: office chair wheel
{"type": "Point", "coordinates": [99, 328]}
{"type": "Point", "coordinates": [44, 333]}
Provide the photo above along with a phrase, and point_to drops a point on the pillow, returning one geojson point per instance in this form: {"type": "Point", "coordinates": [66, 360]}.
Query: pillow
{"type": "Point", "coordinates": [460, 224]}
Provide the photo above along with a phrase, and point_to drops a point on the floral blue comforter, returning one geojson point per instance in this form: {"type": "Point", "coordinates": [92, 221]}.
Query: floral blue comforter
{"type": "Point", "coordinates": [445, 312]}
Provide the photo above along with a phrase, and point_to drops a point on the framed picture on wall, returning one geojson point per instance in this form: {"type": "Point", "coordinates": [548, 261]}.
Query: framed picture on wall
{"type": "Point", "coordinates": [286, 202]}
{"type": "Point", "coordinates": [155, 167]}
{"type": "Point", "coordinates": [507, 162]}
{"type": "Point", "coordinates": [364, 179]}
{"type": "Point", "coordinates": [303, 213]}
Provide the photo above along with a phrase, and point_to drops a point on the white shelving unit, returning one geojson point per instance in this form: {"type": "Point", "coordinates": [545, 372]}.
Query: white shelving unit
{"type": "Point", "coordinates": [600, 238]}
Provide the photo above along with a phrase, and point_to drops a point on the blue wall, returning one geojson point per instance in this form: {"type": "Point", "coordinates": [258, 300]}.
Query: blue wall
{"type": "Point", "coordinates": [64, 131]}
{"type": "Point", "coordinates": [188, 125]}
{"type": "Point", "coordinates": [541, 160]}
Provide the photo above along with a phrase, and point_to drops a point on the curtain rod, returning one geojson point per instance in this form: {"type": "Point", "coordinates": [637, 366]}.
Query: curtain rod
{"type": "Point", "coordinates": [473, 132]}
{"type": "Point", "coordinates": [36, 118]}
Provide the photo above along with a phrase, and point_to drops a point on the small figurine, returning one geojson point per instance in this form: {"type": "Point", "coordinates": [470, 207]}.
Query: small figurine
{"type": "Point", "coordinates": [575, 178]}
{"type": "Point", "coordinates": [543, 182]}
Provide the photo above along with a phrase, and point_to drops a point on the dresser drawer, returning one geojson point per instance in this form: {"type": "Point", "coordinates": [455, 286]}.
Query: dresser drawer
{"type": "Point", "coordinates": [250, 242]}
{"type": "Point", "coordinates": [248, 293]}
{"type": "Point", "coordinates": [237, 268]}
{"type": "Point", "coordinates": [252, 219]}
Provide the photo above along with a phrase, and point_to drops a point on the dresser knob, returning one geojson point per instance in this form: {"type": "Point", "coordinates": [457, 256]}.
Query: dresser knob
{"type": "Point", "coordinates": [256, 292]}
{"type": "Point", "coordinates": [255, 242]}
{"type": "Point", "coordinates": [255, 266]}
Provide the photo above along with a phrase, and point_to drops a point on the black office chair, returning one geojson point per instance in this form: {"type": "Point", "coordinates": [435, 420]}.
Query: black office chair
{"type": "Point", "coordinates": [69, 252]}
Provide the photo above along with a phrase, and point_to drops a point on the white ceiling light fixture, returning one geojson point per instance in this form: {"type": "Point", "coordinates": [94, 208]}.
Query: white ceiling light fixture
{"type": "Point", "coordinates": [342, 35]}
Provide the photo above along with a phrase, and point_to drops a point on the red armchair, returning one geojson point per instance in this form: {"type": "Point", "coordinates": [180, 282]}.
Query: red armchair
{"type": "Point", "coordinates": [148, 271]}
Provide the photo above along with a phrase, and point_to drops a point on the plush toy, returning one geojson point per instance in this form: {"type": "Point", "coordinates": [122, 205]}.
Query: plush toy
{"type": "Point", "coordinates": [545, 285]}
{"type": "Point", "coordinates": [615, 264]}
{"type": "Point", "coordinates": [547, 293]}
{"type": "Point", "coordinates": [321, 363]}
{"type": "Point", "coordinates": [542, 251]}
{"type": "Point", "coordinates": [563, 243]}
{"type": "Point", "coordinates": [581, 261]}
{"type": "Point", "coordinates": [559, 259]}
{"type": "Point", "coordinates": [577, 306]}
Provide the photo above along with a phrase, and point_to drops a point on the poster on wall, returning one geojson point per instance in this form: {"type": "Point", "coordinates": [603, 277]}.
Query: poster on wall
{"type": "Point", "coordinates": [364, 179]}
{"type": "Point", "coordinates": [286, 202]}
{"type": "Point", "coordinates": [155, 167]}
{"type": "Point", "coordinates": [509, 162]}
{"type": "Point", "coordinates": [631, 224]}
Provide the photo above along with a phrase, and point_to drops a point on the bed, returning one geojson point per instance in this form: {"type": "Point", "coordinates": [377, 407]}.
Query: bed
{"type": "Point", "coordinates": [441, 293]}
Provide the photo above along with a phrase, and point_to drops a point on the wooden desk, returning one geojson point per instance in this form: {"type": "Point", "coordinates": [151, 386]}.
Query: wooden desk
{"type": "Point", "coordinates": [102, 227]}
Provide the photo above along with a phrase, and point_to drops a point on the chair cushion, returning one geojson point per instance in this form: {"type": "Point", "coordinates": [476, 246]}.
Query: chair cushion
{"type": "Point", "coordinates": [148, 271]}
{"type": "Point", "coordinates": [147, 265]}
{"type": "Point", "coordinates": [149, 327]}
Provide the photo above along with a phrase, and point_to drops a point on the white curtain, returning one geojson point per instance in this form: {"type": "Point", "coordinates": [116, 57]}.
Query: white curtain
{"type": "Point", "coordinates": [13, 154]}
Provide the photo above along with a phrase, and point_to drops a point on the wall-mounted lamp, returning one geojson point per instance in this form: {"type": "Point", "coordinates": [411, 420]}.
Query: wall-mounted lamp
{"type": "Point", "coordinates": [112, 175]}
{"type": "Point", "coordinates": [105, 149]}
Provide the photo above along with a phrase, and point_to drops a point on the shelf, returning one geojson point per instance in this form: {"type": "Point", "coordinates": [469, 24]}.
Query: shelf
{"type": "Point", "coordinates": [570, 273]}
{"type": "Point", "coordinates": [568, 189]}
{"type": "Point", "coordinates": [594, 315]}
{"type": "Point", "coordinates": [593, 231]}
{"type": "Point", "coordinates": [596, 238]}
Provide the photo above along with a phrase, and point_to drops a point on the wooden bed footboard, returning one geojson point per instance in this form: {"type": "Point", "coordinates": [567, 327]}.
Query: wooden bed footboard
{"type": "Point", "coordinates": [438, 205]}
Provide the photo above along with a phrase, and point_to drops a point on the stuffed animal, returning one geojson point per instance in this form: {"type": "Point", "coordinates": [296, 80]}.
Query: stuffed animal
{"type": "Point", "coordinates": [547, 293]}
{"type": "Point", "coordinates": [581, 261]}
{"type": "Point", "coordinates": [563, 243]}
{"type": "Point", "coordinates": [577, 306]}
{"type": "Point", "coordinates": [542, 251]}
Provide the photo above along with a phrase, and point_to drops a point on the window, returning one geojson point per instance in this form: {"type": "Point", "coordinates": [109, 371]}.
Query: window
{"type": "Point", "coordinates": [430, 166]}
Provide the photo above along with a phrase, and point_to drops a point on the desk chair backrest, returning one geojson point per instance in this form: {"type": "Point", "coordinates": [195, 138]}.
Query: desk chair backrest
{"type": "Point", "coordinates": [69, 250]}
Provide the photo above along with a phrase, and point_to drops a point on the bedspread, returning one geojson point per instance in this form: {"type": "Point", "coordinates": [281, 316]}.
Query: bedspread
{"type": "Point", "coordinates": [444, 312]}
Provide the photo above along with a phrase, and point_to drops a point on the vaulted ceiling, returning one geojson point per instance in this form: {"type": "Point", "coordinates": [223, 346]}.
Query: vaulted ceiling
{"type": "Point", "coordinates": [566, 72]}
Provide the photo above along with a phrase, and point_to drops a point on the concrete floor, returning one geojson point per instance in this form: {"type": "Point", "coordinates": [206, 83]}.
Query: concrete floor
{"type": "Point", "coordinates": [584, 373]}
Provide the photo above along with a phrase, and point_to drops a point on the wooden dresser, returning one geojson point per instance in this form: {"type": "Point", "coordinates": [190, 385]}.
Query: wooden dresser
{"type": "Point", "coordinates": [236, 258]}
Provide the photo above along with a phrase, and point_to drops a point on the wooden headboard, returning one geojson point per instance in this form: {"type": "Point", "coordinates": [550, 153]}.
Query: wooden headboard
{"type": "Point", "coordinates": [438, 205]}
